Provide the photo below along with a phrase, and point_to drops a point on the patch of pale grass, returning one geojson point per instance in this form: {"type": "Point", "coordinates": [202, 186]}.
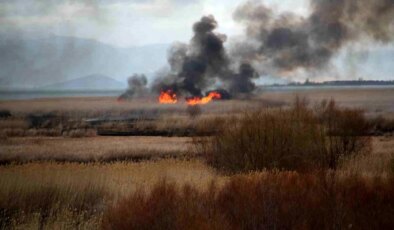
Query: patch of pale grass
{"type": "Point", "coordinates": [117, 178]}
{"type": "Point", "coordinates": [109, 106]}
{"type": "Point", "coordinates": [57, 187]}
{"type": "Point", "coordinates": [92, 149]}
{"type": "Point", "coordinates": [375, 164]}
{"type": "Point", "coordinates": [13, 123]}
{"type": "Point", "coordinates": [375, 101]}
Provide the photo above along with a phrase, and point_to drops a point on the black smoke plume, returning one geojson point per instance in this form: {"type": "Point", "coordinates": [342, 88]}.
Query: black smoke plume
{"type": "Point", "coordinates": [286, 42]}
{"type": "Point", "coordinates": [204, 62]}
{"type": "Point", "coordinates": [275, 44]}
{"type": "Point", "coordinates": [137, 87]}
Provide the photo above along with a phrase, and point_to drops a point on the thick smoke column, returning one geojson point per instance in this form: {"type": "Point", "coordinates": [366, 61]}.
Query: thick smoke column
{"type": "Point", "coordinates": [275, 44]}
{"type": "Point", "coordinates": [137, 87]}
{"type": "Point", "coordinates": [285, 42]}
{"type": "Point", "coordinates": [198, 66]}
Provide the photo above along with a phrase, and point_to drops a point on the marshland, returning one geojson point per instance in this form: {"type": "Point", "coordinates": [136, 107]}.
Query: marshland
{"type": "Point", "coordinates": [202, 114]}
{"type": "Point", "coordinates": [211, 166]}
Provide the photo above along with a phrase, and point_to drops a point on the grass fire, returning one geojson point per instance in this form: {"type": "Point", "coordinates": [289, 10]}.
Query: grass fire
{"type": "Point", "coordinates": [167, 97]}
{"type": "Point", "coordinates": [204, 100]}
{"type": "Point", "coordinates": [172, 114]}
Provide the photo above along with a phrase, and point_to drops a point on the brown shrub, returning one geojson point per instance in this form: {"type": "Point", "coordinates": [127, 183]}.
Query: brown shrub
{"type": "Point", "coordinates": [295, 139]}
{"type": "Point", "coordinates": [380, 125]}
{"type": "Point", "coordinates": [346, 130]}
{"type": "Point", "coordinates": [391, 167]}
{"type": "Point", "coordinates": [5, 113]}
{"type": "Point", "coordinates": [165, 207]}
{"type": "Point", "coordinates": [273, 200]}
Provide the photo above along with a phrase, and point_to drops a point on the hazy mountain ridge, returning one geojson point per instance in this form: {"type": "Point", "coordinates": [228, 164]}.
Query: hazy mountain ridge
{"type": "Point", "coordinates": [30, 63]}
{"type": "Point", "coordinates": [91, 82]}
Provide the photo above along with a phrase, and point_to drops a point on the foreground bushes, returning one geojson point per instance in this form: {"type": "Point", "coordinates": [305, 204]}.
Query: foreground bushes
{"type": "Point", "coordinates": [275, 200]}
{"type": "Point", "coordinates": [296, 139]}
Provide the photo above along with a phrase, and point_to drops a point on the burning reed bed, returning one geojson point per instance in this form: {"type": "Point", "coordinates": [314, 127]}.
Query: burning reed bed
{"type": "Point", "coordinates": [267, 200]}
{"type": "Point", "coordinates": [86, 117]}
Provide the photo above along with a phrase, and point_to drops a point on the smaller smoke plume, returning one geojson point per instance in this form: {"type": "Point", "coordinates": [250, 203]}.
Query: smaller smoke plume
{"type": "Point", "coordinates": [242, 82]}
{"type": "Point", "coordinates": [137, 87]}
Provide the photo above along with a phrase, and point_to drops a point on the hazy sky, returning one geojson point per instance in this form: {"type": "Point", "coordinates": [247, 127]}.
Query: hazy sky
{"type": "Point", "coordinates": [126, 23]}
{"type": "Point", "coordinates": [122, 22]}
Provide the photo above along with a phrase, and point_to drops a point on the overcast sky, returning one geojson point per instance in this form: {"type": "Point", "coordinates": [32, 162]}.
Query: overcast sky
{"type": "Point", "coordinates": [122, 22]}
{"type": "Point", "coordinates": [126, 23]}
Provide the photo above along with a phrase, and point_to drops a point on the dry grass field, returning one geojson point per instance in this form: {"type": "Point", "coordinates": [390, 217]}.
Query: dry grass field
{"type": "Point", "coordinates": [76, 195]}
{"type": "Point", "coordinates": [98, 106]}
{"type": "Point", "coordinates": [375, 101]}
{"type": "Point", "coordinates": [50, 179]}
{"type": "Point", "coordinates": [92, 149]}
{"type": "Point", "coordinates": [379, 163]}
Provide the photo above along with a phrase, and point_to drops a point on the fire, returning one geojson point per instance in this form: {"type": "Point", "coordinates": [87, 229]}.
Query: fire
{"type": "Point", "coordinates": [168, 97]}
{"type": "Point", "coordinates": [204, 100]}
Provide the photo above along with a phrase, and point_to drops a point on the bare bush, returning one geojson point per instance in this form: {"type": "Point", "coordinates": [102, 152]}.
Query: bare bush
{"type": "Point", "coordinates": [295, 139]}
{"type": "Point", "coordinates": [5, 113]}
{"type": "Point", "coordinates": [380, 125]}
{"type": "Point", "coordinates": [269, 200]}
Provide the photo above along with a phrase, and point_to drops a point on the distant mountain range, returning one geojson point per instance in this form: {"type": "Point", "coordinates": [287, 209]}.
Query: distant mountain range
{"type": "Point", "coordinates": [347, 83]}
{"type": "Point", "coordinates": [91, 82]}
{"type": "Point", "coordinates": [27, 62]}
{"type": "Point", "coordinates": [36, 62]}
{"type": "Point", "coordinates": [341, 83]}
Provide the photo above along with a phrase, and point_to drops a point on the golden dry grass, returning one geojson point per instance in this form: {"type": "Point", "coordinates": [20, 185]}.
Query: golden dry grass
{"type": "Point", "coordinates": [75, 181]}
{"type": "Point", "coordinates": [95, 185]}
{"type": "Point", "coordinates": [377, 101]}
{"type": "Point", "coordinates": [97, 106]}
{"type": "Point", "coordinates": [377, 163]}
{"type": "Point", "coordinates": [110, 181]}
{"type": "Point", "coordinates": [117, 178]}
{"type": "Point", "coordinates": [88, 149]}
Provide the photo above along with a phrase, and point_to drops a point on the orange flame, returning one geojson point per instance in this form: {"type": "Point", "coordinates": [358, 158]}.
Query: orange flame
{"type": "Point", "coordinates": [204, 100]}
{"type": "Point", "coordinates": [168, 97]}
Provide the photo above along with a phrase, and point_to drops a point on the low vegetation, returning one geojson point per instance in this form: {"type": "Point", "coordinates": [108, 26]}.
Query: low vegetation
{"type": "Point", "coordinates": [42, 204]}
{"type": "Point", "coordinates": [49, 195]}
{"type": "Point", "coordinates": [248, 165]}
{"type": "Point", "coordinates": [299, 138]}
{"type": "Point", "coordinates": [93, 149]}
{"type": "Point", "coordinates": [268, 200]}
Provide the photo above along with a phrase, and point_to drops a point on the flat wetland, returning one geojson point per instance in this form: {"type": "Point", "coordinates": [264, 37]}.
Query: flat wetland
{"type": "Point", "coordinates": [65, 151]}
